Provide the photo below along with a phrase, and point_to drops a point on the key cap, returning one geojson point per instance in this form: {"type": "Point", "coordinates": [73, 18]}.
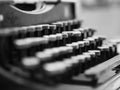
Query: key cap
{"type": "Point", "coordinates": [71, 25]}
{"type": "Point", "coordinates": [30, 62]}
{"type": "Point", "coordinates": [55, 68]}
{"type": "Point", "coordinates": [88, 62]}
{"type": "Point", "coordinates": [38, 30]}
{"type": "Point", "coordinates": [87, 46]}
{"type": "Point", "coordinates": [52, 29]}
{"type": "Point", "coordinates": [45, 29]}
{"type": "Point", "coordinates": [75, 48]}
{"type": "Point", "coordinates": [105, 52]}
{"type": "Point", "coordinates": [70, 34]}
{"type": "Point", "coordinates": [100, 40]}
{"type": "Point", "coordinates": [59, 27]}
{"type": "Point", "coordinates": [76, 36]}
{"type": "Point", "coordinates": [59, 38]}
{"type": "Point", "coordinates": [29, 42]}
{"type": "Point", "coordinates": [45, 56]}
{"type": "Point", "coordinates": [77, 24]}
{"type": "Point", "coordinates": [92, 43]}
{"type": "Point", "coordinates": [83, 32]}
{"type": "Point", "coordinates": [98, 57]}
{"type": "Point", "coordinates": [30, 31]}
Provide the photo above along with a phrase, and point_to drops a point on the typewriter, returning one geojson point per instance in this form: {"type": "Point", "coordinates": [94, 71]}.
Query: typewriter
{"type": "Point", "coordinates": [43, 46]}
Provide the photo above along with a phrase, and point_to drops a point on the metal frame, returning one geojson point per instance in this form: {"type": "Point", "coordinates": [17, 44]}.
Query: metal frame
{"type": "Point", "coordinates": [77, 2]}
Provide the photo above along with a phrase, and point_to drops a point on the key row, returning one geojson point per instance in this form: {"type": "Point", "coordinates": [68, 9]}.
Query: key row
{"type": "Point", "coordinates": [41, 45]}
{"type": "Point", "coordinates": [41, 30]}
{"type": "Point", "coordinates": [75, 64]}
{"type": "Point", "coordinates": [67, 67]}
{"type": "Point", "coordinates": [61, 53]}
{"type": "Point", "coordinates": [59, 39]}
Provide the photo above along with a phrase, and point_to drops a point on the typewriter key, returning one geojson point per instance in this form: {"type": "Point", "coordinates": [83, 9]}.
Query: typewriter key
{"type": "Point", "coordinates": [30, 62]}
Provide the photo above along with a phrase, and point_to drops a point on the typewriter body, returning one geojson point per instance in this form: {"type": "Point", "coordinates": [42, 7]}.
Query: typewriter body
{"type": "Point", "coordinates": [44, 47]}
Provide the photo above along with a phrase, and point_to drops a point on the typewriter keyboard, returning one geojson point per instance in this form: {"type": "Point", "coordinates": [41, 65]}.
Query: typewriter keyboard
{"type": "Point", "coordinates": [58, 52]}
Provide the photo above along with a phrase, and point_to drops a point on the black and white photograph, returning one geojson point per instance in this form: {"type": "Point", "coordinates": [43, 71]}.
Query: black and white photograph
{"type": "Point", "coordinates": [59, 44]}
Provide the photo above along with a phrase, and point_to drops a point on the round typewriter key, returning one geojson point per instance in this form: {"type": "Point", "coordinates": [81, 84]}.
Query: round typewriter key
{"type": "Point", "coordinates": [54, 51]}
{"type": "Point", "coordinates": [75, 47]}
{"type": "Point", "coordinates": [88, 60]}
{"type": "Point", "coordinates": [52, 29]}
{"type": "Point", "coordinates": [65, 38]}
{"type": "Point", "coordinates": [59, 38]}
{"type": "Point", "coordinates": [20, 43]}
{"type": "Point", "coordinates": [83, 34]}
{"type": "Point", "coordinates": [22, 32]}
{"type": "Point", "coordinates": [112, 49]}
{"type": "Point", "coordinates": [38, 29]}
{"type": "Point", "coordinates": [82, 63]}
{"type": "Point", "coordinates": [77, 24]}
{"type": "Point", "coordinates": [44, 56]}
{"type": "Point", "coordinates": [87, 45]}
{"type": "Point", "coordinates": [76, 36]}
{"type": "Point", "coordinates": [30, 43]}
{"type": "Point", "coordinates": [100, 40]}
{"type": "Point", "coordinates": [45, 29]}
{"type": "Point", "coordinates": [98, 58]}
{"type": "Point", "coordinates": [92, 43]}
{"type": "Point", "coordinates": [59, 27]}
{"type": "Point", "coordinates": [97, 41]}
{"type": "Point", "coordinates": [34, 32]}
{"type": "Point", "coordinates": [58, 53]}
{"type": "Point", "coordinates": [51, 40]}
{"type": "Point", "coordinates": [75, 60]}
{"type": "Point", "coordinates": [56, 68]}
{"type": "Point", "coordinates": [104, 52]}
{"type": "Point", "coordinates": [93, 58]}
{"type": "Point", "coordinates": [109, 50]}
{"type": "Point", "coordinates": [63, 26]}
{"type": "Point", "coordinates": [65, 52]}
{"type": "Point", "coordinates": [71, 25]}
{"type": "Point", "coordinates": [68, 62]}
{"type": "Point", "coordinates": [81, 46]}
{"type": "Point", "coordinates": [30, 62]}
{"type": "Point", "coordinates": [69, 33]}
{"type": "Point", "coordinates": [66, 25]}
{"type": "Point", "coordinates": [30, 31]}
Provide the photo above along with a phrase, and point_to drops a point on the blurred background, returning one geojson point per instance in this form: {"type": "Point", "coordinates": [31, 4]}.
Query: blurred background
{"type": "Point", "coordinates": [103, 15]}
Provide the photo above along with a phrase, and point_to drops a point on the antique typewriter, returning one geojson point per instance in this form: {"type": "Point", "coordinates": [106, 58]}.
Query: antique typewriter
{"type": "Point", "coordinates": [43, 46]}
